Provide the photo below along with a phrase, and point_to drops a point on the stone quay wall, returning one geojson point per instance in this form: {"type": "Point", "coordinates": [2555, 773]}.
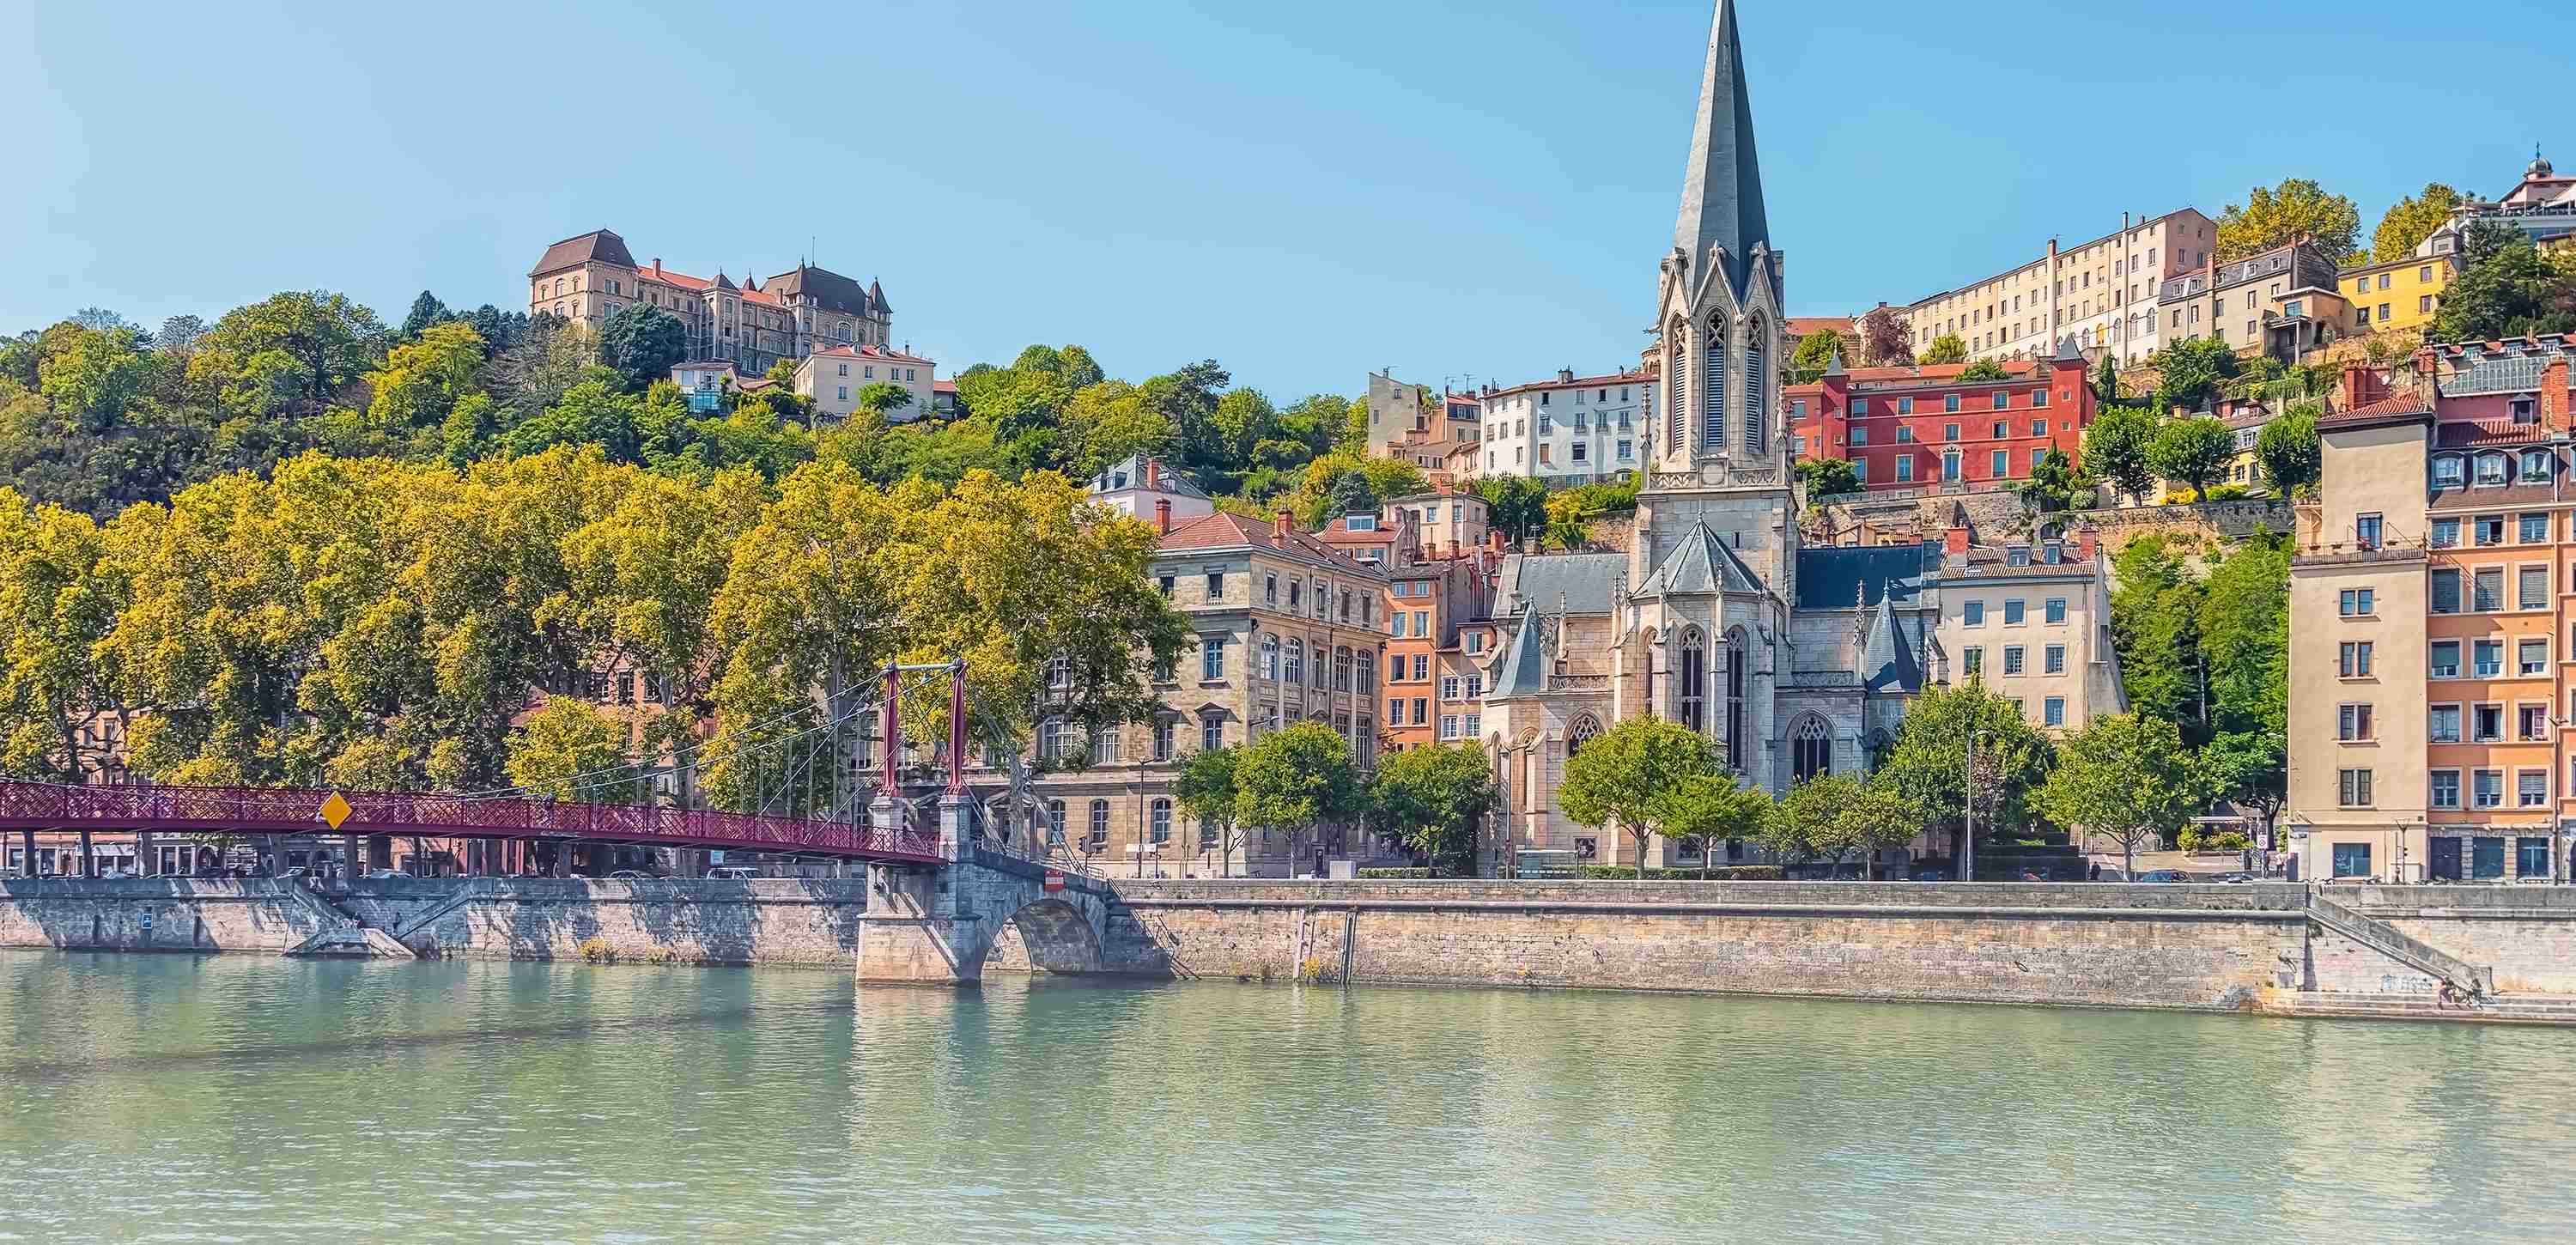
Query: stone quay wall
{"type": "Point", "coordinates": [154, 914]}
{"type": "Point", "coordinates": [2527, 934]}
{"type": "Point", "coordinates": [2192, 947]}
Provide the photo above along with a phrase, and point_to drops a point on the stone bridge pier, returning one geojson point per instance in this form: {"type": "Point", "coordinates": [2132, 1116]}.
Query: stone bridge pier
{"type": "Point", "coordinates": [936, 925]}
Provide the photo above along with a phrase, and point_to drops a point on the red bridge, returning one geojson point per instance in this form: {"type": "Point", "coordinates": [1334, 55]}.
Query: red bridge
{"type": "Point", "coordinates": [33, 806]}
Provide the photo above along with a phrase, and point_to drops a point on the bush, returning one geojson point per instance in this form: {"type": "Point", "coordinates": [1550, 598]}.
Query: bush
{"type": "Point", "coordinates": [1396, 873]}
{"type": "Point", "coordinates": [595, 950]}
{"type": "Point", "coordinates": [1722, 873]}
{"type": "Point", "coordinates": [2227, 841]}
{"type": "Point", "coordinates": [2228, 492]}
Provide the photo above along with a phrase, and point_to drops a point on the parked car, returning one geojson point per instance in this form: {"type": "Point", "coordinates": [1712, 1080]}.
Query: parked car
{"type": "Point", "coordinates": [379, 875]}
{"type": "Point", "coordinates": [1930, 875]}
{"type": "Point", "coordinates": [733, 873]}
{"type": "Point", "coordinates": [2164, 875]}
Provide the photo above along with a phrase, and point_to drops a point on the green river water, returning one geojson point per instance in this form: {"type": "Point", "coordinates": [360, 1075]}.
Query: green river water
{"type": "Point", "coordinates": [248, 1098]}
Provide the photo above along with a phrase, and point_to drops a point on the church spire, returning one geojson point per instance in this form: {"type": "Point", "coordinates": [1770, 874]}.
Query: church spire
{"type": "Point", "coordinates": [1722, 188]}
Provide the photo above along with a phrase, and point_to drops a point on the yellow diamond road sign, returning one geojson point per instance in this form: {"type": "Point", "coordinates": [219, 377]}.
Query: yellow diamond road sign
{"type": "Point", "coordinates": [335, 810]}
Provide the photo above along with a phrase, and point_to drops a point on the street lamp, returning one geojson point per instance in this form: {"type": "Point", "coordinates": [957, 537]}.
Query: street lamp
{"type": "Point", "coordinates": [1968, 841]}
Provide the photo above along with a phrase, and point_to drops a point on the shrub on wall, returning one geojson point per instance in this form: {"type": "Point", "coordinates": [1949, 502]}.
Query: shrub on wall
{"type": "Point", "coordinates": [1395, 873]}
{"type": "Point", "coordinates": [1723, 873]}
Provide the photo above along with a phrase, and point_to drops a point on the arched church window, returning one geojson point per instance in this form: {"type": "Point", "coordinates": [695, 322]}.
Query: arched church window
{"type": "Point", "coordinates": [1585, 728]}
{"type": "Point", "coordinates": [1675, 385]}
{"type": "Point", "coordinates": [1753, 399]}
{"type": "Point", "coordinates": [1694, 678]}
{"type": "Point", "coordinates": [1811, 751]}
{"type": "Point", "coordinates": [1712, 416]}
{"type": "Point", "coordinates": [1735, 662]}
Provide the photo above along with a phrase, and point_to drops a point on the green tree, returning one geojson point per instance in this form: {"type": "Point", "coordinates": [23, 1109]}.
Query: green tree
{"type": "Point", "coordinates": [1834, 815]}
{"type": "Point", "coordinates": [426, 310]}
{"type": "Point", "coordinates": [2410, 221]}
{"type": "Point", "coordinates": [2507, 289]}
{"type": "Point", "coordinates": [2298, 207]}
{"type": "Point", "coordinates": [1297, 781]}
{"type": "Point", "coordinates": [1433, 799]}
{"type": "Point", "coordinates": [643, 342]}
{"type": "Point", "coordinates": [297, 350]}
{"type": "Point", "coordinates": [573, 750]}
{"type": "Point", "coordinates": [1947, 348]}
{"type": "Point", "coordinates": [1206, 792]}
{"type": "Point", "coordinates": [422, 380]}
{"type": "Point", "coordinates": [2288, 449]}
{"type": "Point", "coordinates": [1827, 477]}
{"type": "Point", "coordinates": [1815, 352]}
{"type": "Point", "coordinates": [1928, 763]}
{"type": "Point", "coordinates": [2194, 369]}
{"type": "Point", "coordinates": [2155, 629]}
{"type": "Point", "coordinates": [2127, 778]}
{"type": "Point", "coordinates": [2106, 379]}
{"type": "Point", "coordinates": [2115, 449]}
{"type": "Point", "coordinates": [1515, 504]}
{"type": "Point", "coordinates": [1984, 370]}
{"type": "Point", "coordinates": [2192, 451]}
{"type": "Point", "coordinates": [1711, 809]}
{"type": "Point", "coordinates": [1641, 776]}
{"type": "Point", "coordinates": [2055, 483]}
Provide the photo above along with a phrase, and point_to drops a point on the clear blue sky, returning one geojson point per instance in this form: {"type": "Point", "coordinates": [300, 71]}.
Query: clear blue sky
{"type": "Point", "coordinates": [1303, 191]}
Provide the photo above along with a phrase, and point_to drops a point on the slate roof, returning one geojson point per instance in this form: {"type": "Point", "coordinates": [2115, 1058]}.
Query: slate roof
{"type": "Point", "coordinates": [1585, 581]}
{"type": "Point", "coordinates": [1887, 657]}
{"type": "Point", "coordinates": [1838, 577]}
{"type": "Point", "coordinates": [598, 244]}
{"type": "Point", "coordinates": [1702, 563]}
{"type": "Point", "coordinates": [1132, 470]}
{"type": "Point", "coordinates": [1722, 185]}
{"type": "Point", "coordinates": [829, 289]}
{"type": "Point", "coordinates": [1521, 670]}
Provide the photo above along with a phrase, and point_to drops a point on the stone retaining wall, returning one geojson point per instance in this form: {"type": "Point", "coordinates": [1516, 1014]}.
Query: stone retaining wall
{"type": "Point", "coordinates": [2526, 933]}
{"type": "Point", "coordinates": [153, 914]}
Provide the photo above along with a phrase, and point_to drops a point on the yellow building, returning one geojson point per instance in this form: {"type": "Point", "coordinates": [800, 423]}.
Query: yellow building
{"type": "Point", "coordinates": [2399, 295]}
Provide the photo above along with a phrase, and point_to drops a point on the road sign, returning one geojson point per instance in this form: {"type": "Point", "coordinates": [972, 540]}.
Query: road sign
{"type": "Point", "coordinates": [335, 810]}
{"type": "Point", "coordinates": [147, 920]}
{"type": "Point", "coordinates": [1054, 881]}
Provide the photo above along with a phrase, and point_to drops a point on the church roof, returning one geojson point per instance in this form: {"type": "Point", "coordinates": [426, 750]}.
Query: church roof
{"type": "Point", "coordinates": [1585, 583]}
{"type": "Point", "coordinates": [1887, 658]}
{"type": "Point", "coordinates": [1522, 668]}
{"type": "Point", "coordinates": [1722, 186]}
{"type": "Point", "coordinates": [1842, 576]}
{"type": "Point", "coordinates": [1702, 562]}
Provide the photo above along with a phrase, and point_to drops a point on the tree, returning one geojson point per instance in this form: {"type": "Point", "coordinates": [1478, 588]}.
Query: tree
{"type": "Point", "coordinates": [1295, 781]}
{"type": "Point", "coordinates": [2115, 449]}
{"type": "Point", "coordinates": [296, 350]}
{"type": "Point", "coordinates": [1640, 776]}
{"type": "Point", "coordinates": [1206, 792]}
{"type": "Point", "coordinates": [1947, 348]}
{"type": "Point", "coordinates": [2410, 221]}
{"type": "Point", "coordinates": [2056, 484]}
{"type": "Point", "coordinates": [1984, 370]}
{"type": "Point", "coordinates": [1834, 815]}
{"type": "Point", "coordinates": [2192, 451]}
{"type": "Point", "coordinates": [178, 334]}
{"type": "Point", "coordinates": [426, 310]}
{"type": "Point", "coordinates": [1711, 809]}
{"type": "Point", "coordinates": [1815, 353]}
{"type": "Point", "coordinates": [2288, 449]}
{"type": "Point", "coordinates": [1885, 338]}
{"type": "Point", "coordinates": [1928, 763]}
{"type": "Point", "coordinates": [2297, 208]}
{"type": "Point", "coordinates": [2193, 369]}
{"type": "Point", "coordinates": [643, 342]}
{"type": "Point", "coordinates": [423, 379]}
{"type": "Point", "coordinates": [2155, 629]}
{"type": "Point", "coordinates": [1827, 477]}
{"type": "Point", "coordinates": [2106, 379]}
{"type": "Point", "coordinates": [1515, 504]}
{"type": "Point", "coordinates": [1433, 799]}
{"type": "Point", "coordinates": [2508, 289]}
{"type": "Point", "coordinates": [573, 750]}
{"type": "Point", "coordinates": [2244, 630]}
{"type": "Point", "coordinates": [2125, 777]}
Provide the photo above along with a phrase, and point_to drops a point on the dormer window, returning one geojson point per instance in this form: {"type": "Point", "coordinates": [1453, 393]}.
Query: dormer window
{"type": "Point", "coordinates": [2017, 555]}
{"type": "Point", "coordinates": [1360, 522]}
{"type": "Point", "coordinates": [1118, 480]}
{"type": "Point", "coordinates": [2490, 470]}
{"type": "Point", "coordinates": [2525, 410]}
{"type": "Point", "coordinates": [2535, 466]}
{"type": "Point", "coordinates": [2450, 471]}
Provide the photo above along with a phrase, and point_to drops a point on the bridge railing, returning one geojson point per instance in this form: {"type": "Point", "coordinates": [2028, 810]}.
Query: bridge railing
{"type": "Point", "coordinates": [186, 809]}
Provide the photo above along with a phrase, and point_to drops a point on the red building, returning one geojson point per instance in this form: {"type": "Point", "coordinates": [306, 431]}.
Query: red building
{"type": "Point", "coordinates": [1904, 427]}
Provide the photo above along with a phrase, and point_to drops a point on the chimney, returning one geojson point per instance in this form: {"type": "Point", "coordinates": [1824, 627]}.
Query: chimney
{"type": "Point", "coordinates": [1163, 515]}
{"type": "Point", "coordinates": [657, 265]}
{"type": "Point", "coordinates": [2553, 395]}
{"type": "Point", "coordinates": [2086, 545]}
{"type": "Point", "coordinates": [2356, 384]}
{"type": "Point", "coordinates": [1954, 544]}
{"type": "Point", "coordinates": [1154, 476]}
{"type": "Point", "coordinates": [1494, 540]}
{"type": "Point", "coordinates": [1279, 527]}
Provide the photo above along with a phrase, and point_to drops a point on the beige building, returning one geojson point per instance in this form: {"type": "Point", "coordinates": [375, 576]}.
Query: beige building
{"type": "Point", "coordinates": [1411, 422]}
{"type": "Point", "coordinates": [833, 377]}
{"type": "Point", "coordinates": [593, 276]}
{"type": "Point", "coordinates": [2286, 303]}
{"type": "Point", "coordinates": [1289, 630]}
{"type": "Point", "coordinates": [2101, 292]}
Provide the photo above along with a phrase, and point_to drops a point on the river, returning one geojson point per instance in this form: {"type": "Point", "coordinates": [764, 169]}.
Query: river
{"type": "Point", "coordinates": [247, 1098]}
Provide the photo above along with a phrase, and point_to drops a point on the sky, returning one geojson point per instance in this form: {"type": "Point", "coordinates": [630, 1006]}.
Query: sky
{"type": "Point", "coordinates": [1303, 192]}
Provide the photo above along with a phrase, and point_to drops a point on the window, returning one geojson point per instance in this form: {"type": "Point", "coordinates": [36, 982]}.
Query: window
{"type": "Point", "coordinates": [2352, 723]}
{"type": "Point", "coordinates": [1104, 746]}
{"type": "Point", "coordinates": [2531, 587]}
{"type": "Point", "coordinates": [1449, 687]}
{"type": "Point", "coordinates": [2002, 464]}
{"type": "Point", "coordinates": [2534, 469]}
{"type": "Point", "coordinates": [1973, 614]}
{"type": "Point", "coordinates": [1163, 731]}
{"type": "Point", "coordinates": [1421, 710]}
{"type": "Point", "coordinates": [2001, 401]}
{"type": "Point", "coordinates": [2486, 591]}
{"type": "Point", "coordinates": [2365, 530]}
{"type": "Point", "coordinates": [2352, 860]}
{"type": "Point", "coordinates": [2531, 657]}
{"type": "Point", "coordinates": [2534, 528]}
{"type": "Point", "coordinates": [2531, 723]}
{"type": "Point", "coordinates": [2443, 724]}
{"type": "Point", "coordinates": [2354, 659]}
{"type": "Point", "coordinates": [2491, 473]}
{"type": "Point", "coordinates": [2486, 724]}
{"type": "Point", "coordinates": [1448, 726]}
{"type": "Point", "coordinates": [2486, 788]}
{"type": "Point", "coordinates": [2531, 857]}
{"type": "Point", "coordinates": [1052, 736]}
{"type": "Point", "coordinates": [1421, 666]}
{"type": "Point", "coordinates": [1860, 435]}
{"type": "Point", "coordinates": [1212, 657]}
{"type": "Point", "coordinates": [1904, 406]}
{"type": "Point", "coordinates": [1216, 585]}
{"type": "Point", "coordinates": [1949, 432]}
{"type": "Point", "coordinates": [1905, 466]}
{"type": "Point", "coordinates": [1211, 733]}
{"type": "Point", "coordinates": [2352, 788]}
{"type": "Point", "coordinates": [2052, 711]}
{"type": "Point", "coordinates": [1293, 669]}
{"type": "Point", "coordinates": [2489, 655]}
{"type": "Point", "coordinates": [2445, 789]}
{"type": "Point", "coordinates": [1162, 821]}
{"type": "Point", "coordinates": [2012, 659]}
{"type": "Point", "coordinates": [1950, 402]}
{"type": "Point", "coordinates": [2053, 659]}
{"type": "Point", "coordinates": [2013, 612]}
{"type": "Point", "coordinates": [2354, 603]}
{"type": "Point", "coordinates": [2057, 609]}
{"type": "Point", "coordinates": [2446, 659]}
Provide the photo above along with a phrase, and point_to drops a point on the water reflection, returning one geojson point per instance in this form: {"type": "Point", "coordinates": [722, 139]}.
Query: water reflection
{"type": "Point", "coordinates": [267, 1099]}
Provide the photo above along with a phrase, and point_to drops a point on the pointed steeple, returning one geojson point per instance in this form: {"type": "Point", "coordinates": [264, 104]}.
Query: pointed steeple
{"type": "Point", "coordinates": [1722, 188]}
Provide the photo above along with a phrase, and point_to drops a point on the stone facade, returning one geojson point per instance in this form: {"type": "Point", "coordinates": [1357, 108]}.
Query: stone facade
{"type": "Point", "coordinates": [590, 277]}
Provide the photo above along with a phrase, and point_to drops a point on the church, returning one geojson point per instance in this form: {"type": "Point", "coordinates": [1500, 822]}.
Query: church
{"type": "Point", "coordinates": [1795, 660]}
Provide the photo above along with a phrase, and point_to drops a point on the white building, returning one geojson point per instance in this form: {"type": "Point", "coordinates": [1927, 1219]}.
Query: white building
{"type": "Point", "coordinates": [1570, 430]}
{"type": "Point", "coordinates": [1143, 488]}
{"type": "Point", "coordinates": [833, 378]}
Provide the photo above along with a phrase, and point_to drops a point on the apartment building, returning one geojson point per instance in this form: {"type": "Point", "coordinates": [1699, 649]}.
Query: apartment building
{"type": "Point", "coordinates": [2433, 610]}
{"type": "Point", "coordinates": [1921, 426]}
{"type": "Point", "coordinates": [1142, 487]}
{"type": "Point", "coordinates": [2101, 292]}
{"type": "Point", "coordinates": [2542, 205]}
{"type": "Point", "coordinates": [1427, 429]}
{"type": "Point", "coordinates": [590, 277]}
{"type": "Point", "coordinates": [2032, 622]}
{"type": "Point", "coordinates": [833, 377]}
{"type": "Point", "coordinates": [1432, 598]}
{"type": "Point", "coordinates": [2399, 296]}
{"type": "Point", "coordinates": [2285, 302]}
{"type": "Point", "coordinates": [1289, 630]}
{"type": "Point", "coordinates": [1569, 430]}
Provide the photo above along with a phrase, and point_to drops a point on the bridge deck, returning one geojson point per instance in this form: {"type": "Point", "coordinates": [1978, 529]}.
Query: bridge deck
{"type": "Point", "coordinates": [294, 810]}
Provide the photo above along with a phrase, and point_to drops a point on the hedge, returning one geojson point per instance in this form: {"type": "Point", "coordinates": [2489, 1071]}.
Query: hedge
{"type": "Point", "coordinates": [1722, 873]}
{"type": "Point", "coordinates": [1395, 873]}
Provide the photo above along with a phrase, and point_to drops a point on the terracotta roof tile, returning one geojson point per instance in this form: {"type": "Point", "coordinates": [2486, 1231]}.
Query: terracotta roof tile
{"type": "Point", "coordinates": [1226, 529]}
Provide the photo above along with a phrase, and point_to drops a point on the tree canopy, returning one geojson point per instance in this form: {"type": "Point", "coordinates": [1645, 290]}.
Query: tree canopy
{"type": "Point", "coordinates": [2298, 207]}
{"type": "Point", "coordinates": [1815, 352]}
{"type": "Point", "coordinates": [2288, 448]}
{"type": "Point", "coordinates": [1928, 763]}
{"type": "Point", "coordinates": [1885, 338]}
{"type": "Point", "coordinates": [2411, 220]}
{"type": "Point", "coordinates": [1645, 776]}
{"type": "Point", "coordinates": [1433, 799]}
{"type": "Point", "coordinates": [2193, 370]}
{"type": "Point", "coordinates": [2127, 778]}
{"type": "Point", "coordinates": [2193, 452]}
{"type": "Point", "coordinates": [1297, 780]}
{"type": "Point", "coordinates": [2506, 289]}
{"type": "Point", "coordinates": [2115, 449]}
{"type": "Point", "coordinates": [1947, 348]}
